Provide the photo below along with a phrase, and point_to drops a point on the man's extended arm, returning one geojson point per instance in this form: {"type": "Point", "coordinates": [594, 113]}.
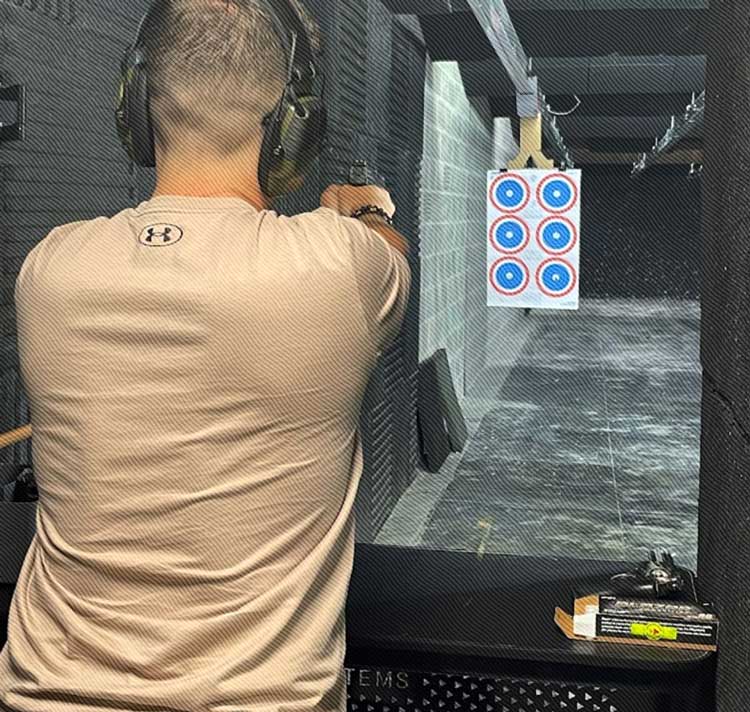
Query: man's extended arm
{"type": "Point", "coordinates": [394, 238]}
{"type": "Point", "coordinates": [382, 272]}
{"type": "Point", "coordinates": [346, 200]}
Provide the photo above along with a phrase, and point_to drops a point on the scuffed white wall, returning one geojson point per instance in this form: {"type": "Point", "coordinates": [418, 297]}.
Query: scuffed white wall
{"type": "Point", "coordinates": [462, 142]}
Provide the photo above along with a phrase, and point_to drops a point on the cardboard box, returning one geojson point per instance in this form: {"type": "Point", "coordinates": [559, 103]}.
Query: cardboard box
{"type": "Point", "coordinates": [606, 617]}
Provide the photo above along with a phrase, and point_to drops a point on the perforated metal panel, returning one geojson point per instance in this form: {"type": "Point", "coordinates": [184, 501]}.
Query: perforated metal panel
{"type": "Point", "coordinates": [353, 92]}
{"type": "Point", "coordinates": [379, 690]}
{"type": "Point", "coordinates": [407, 133]}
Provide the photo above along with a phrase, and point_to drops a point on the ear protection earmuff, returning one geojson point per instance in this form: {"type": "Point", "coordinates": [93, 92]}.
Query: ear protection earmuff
{"type": "Point", "coordinates": [132, 115]}
{"type": "Point", "coordinates": [294, 132]}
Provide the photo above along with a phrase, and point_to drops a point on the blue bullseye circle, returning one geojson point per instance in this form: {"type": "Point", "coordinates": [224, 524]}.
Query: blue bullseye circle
{"type": "Point", "coordinates": [557, 236]}
{"type": "Point", "coordinates": [556, 278]}
{"type": "Point", "coordinates": [510, 235]}
{"type": "Point", "coordinates": [557, 194]}
{"type": "Point", "coordinates": [510, 194]}
{"type": "Point", "coordinates": [509, 276]}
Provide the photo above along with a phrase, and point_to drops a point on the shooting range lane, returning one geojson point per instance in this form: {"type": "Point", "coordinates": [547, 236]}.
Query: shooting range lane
{"type": "Point", "coordinates": [547, 204]}
{"type": "Point", "coordinates": [584, 444]}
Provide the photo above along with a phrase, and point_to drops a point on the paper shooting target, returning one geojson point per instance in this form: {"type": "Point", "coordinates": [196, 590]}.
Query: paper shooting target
{"type": "Point", "coordinates": [509, 276]}
{"type": "Point", "coordinates": [533, 239]}
{"type": "Point", "coordinates": [557, 193]}
{"type": "Point", "coordinates": [557, 235]}
{"type": "Point", "coordinates": [509, 234]}
{"type": "Point", "coordinates": [510, 193]}
{"type": "Point", "coordinates": [556, 278]}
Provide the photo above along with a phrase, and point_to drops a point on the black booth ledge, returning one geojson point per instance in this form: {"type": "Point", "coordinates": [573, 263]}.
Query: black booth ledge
{"type": "Point", "coordinates": [497, 607]}
{"type": "Point", "coordinates": [430, 618]}
{"type": "Point", "coordinates": [448, 603]}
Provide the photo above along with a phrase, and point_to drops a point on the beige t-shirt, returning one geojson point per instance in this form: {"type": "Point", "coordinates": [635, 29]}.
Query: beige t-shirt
{"type": "Point", "coordinates": [195, 370]}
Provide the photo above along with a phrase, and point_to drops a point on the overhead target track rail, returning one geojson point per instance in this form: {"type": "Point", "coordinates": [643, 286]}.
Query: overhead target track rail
{"type": "Point", "coordinates": [680, 127]}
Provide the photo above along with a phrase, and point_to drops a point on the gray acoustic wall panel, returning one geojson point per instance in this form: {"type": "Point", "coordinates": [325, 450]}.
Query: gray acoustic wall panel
{"type": "Point", "coordinates": [71, 166]}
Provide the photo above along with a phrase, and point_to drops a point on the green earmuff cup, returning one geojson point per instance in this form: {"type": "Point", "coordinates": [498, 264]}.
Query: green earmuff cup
{"type": "Point", "coordinates": [301, 139]}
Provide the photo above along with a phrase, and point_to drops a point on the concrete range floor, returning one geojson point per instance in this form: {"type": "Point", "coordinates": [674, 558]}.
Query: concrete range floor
{"type": "Point", "coordinates": [584, 442]}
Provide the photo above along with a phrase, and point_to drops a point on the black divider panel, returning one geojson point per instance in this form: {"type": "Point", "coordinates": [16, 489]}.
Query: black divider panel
{"type": "Point", "coordinates": [375, 73]}
{"type": "Point", "coordinates": [406, 151]}
{"type": "Point", "coordinates": [724, 534]}
{"type": "Point", "coordinates": [72, 168]}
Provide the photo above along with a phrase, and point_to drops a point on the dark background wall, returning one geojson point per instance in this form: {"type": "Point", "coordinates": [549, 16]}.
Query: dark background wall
{"type": "Point", "coordinates": [724, 526]}
{"type": "Point", "coordinates": [71, 167]}
{"type": "Point", "coordinates": [640, 238]}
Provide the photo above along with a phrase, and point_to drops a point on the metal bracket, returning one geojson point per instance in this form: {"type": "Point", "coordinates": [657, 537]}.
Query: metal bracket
{"type": "Point", "coordinates": [536, 119]}
{"type": "Point", "coordinates": [528, 104]}
{"type": "Point", "coordinates": [696, 171]}
{"type": "Point", "coordinates": [17, 130]}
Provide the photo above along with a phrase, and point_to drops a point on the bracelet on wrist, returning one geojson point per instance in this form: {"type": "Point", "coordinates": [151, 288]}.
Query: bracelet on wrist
{"type": "Point", "coordinates": [372, 210]}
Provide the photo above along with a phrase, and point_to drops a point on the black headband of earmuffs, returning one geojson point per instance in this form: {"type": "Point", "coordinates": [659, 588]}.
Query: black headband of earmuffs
{"type": "Point", "coordinates": [294, 130]}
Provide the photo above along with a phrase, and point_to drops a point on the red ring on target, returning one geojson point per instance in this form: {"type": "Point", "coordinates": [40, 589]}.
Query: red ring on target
{"type": "Point", "coordinates": [505, 292]}
{"type": "Point", "coordinates": [573, 278]}
{"type": "Point", "coordinates": [557, 176]}
{"type": "Point", "coordinates": [505, 250]}
{"type": "Point", "coordinates": [573, 232]}
{"type": "Point", "coordinates": [524, 184]}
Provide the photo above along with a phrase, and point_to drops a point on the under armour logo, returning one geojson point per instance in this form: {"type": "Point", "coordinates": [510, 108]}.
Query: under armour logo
{"type": "Point", "coordinates": [161, 235]}
{"type": "Point", "coordinates": [164, 235]}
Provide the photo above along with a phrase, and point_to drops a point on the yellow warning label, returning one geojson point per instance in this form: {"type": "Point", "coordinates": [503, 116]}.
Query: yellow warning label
{"type": "Point", "coordinates": [653, 631]}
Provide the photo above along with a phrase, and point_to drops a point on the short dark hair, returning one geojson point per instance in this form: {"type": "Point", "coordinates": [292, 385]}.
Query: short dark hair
{"type": "Point", "coordinates": [215, 68]}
